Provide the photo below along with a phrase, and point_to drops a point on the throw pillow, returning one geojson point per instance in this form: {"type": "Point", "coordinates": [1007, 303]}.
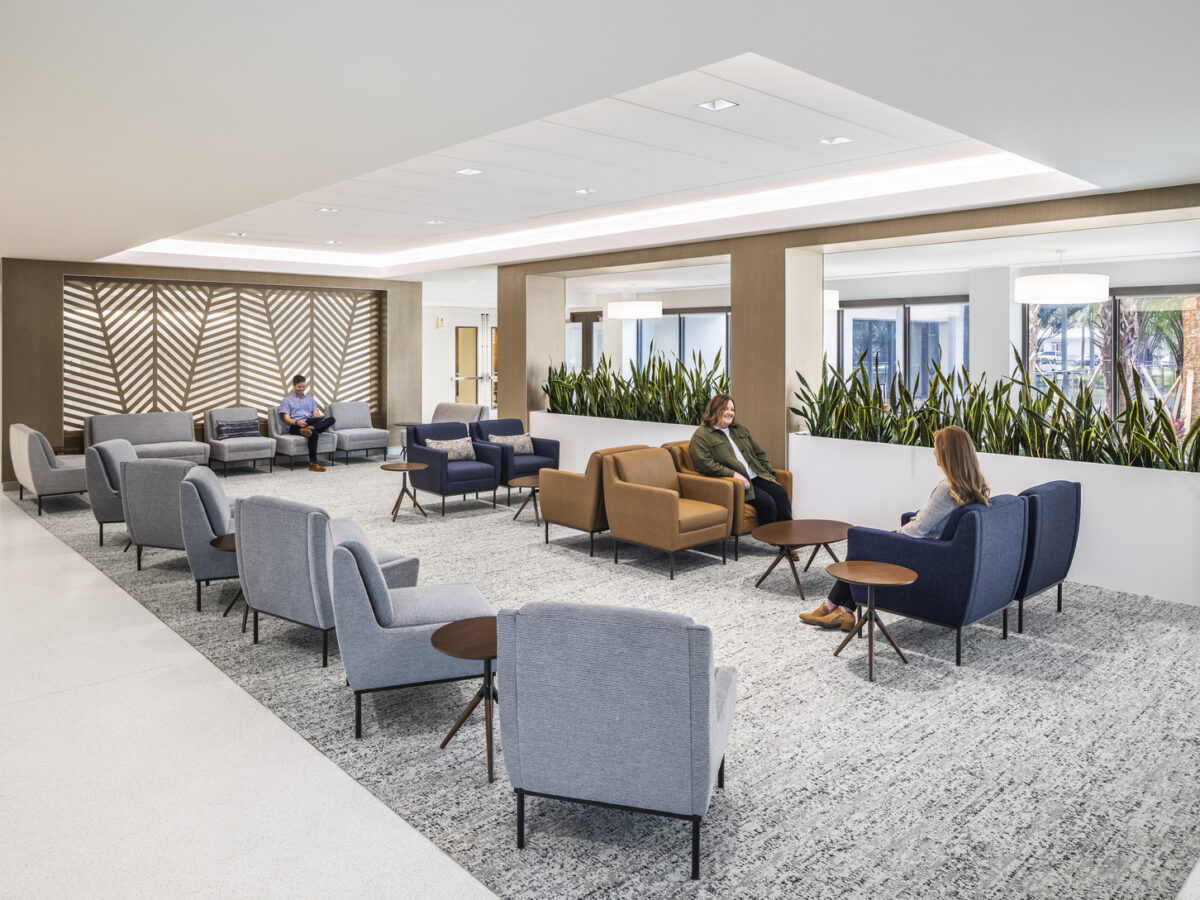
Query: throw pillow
{"type": "Point", "coordinates": [459, 448]}
{"type": "Point", "coordinates": [522, 444]}
{"type": "Point", "coordinates": [245, 428]}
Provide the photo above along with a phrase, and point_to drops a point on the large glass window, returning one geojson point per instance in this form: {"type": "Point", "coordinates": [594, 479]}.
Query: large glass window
{"type": "Point", "coordinates": [704, 334]}
{"type": "Point", "coordinates": [877, 332]}
{"type": "Point", "coordinates": [663, 334]}
{"type": "Point", "coordinates": [574, 349]}
{"type": "Point", "coordinates": [1159, 339]}
{"type": "Point", "coordinates": [937, 333]}
{"type": "Point", "coordinates": [677, 335]}
{"type": "Point", "coordinates": [1071, 346]}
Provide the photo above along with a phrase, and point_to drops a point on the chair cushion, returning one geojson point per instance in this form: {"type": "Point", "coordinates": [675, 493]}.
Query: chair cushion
{"type": "Point", "coordinates": [651, 467]}
{"type": "Point", "coordinates": [522, 444]}
{"type": "Point", "coordinates": [531, 464]}
{"type": "Point", "coordinates": [469, 470]}
{"type": "Point", "coordinates": [237, 429]}
{"type": "Point", "coordinates": [456, 450]}
{"type": "Point", "coordinates": [433, 603]}
{"type": "Point", "coordinates": [189, 450]}
{"type": "Point", "coordinates": [696, 514]}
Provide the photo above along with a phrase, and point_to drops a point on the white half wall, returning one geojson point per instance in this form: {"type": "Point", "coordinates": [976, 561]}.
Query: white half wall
{"type": "Point", "coordinates": [1139, 529]}
{"type": "Point", "coordinates": [580, 436]}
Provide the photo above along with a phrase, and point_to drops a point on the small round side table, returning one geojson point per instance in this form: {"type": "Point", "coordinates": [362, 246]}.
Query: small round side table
{"type": "Point", "coordinates": [405, 490]}
{"type": "Point", "coordinates": [871, 575]}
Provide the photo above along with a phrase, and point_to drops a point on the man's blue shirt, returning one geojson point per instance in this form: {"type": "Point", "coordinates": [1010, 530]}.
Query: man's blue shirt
{"type": "Point", "coordinates": [298, 407]}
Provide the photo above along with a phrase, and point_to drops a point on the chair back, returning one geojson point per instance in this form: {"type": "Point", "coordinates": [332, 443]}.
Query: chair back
{"type": "Point", "coordinates": [282, 559]}
{"type": "Point", "coordinates": [607, 704]}
{"type": "Point", "coordinates": [458, 412]}
{"type": "Point", "coordinates": [1053, 535]}
{"type": "Point", "coordinates": [150, 499]}
{"type": "Point", "coordinates": [443, 431]}
{"type": "Point", "coordinates": [201, 495]}
{"type": "Point", "coordinates": [31, 454]}
{"type": "Point", "coordinates": [275, 424]}
{"type": "Point", "coordinates": [681, 455]}
{"type": "Point", "coordinates": [351, 414]}
{"type": "Point", "coordinates": [484, 429]}
{"type": "Point", "coordinates": [102, 468]}
{"type": "Point", "coordinates": [227, 414]}
{"type": "Point", "coordinates": [996, 536]}
{"type": "Point", "coordinates": [652, 466]}
{"type": "Point", "coordinates": [139, 428]}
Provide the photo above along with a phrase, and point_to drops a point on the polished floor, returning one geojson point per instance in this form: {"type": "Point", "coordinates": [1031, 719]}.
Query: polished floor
{"type": "Point", "coordinates": [131, 767]}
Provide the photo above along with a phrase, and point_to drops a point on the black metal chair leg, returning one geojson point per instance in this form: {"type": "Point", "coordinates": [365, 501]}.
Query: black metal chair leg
{"type": "Point", "coordinates": [358, 714]}
{"type": "Point", "coordinates": [1060, 596]}
{"type": "Point", "coordinates": [256, 626]}
{"type": "Point", "coordinates": [1005, 620]}
{"type": "Point", "coordinates": [197, 596]}
{"type": "Point", "coordinates": [695, 848]}
{"type": "Point", "coordinates": [721, 774]}
{"type": "Point", "coordinates": [101, 534]}
{"type": "Point", "coordinates": [958, 646]}
{"type": "Point", "coordinates": [520, 820]}
{"type": "Point", "coordinates": [39, 504]}
{"type": "Point", "coordinates": [139, 557]}
{"type": "Point", "coordinates": [735, 547]}
{"type": "Point", "coordinates": [591, 540]}
{"type": "Point", "coordinates": [547, 540]}
{"type": "Point", "coordinates": [443, 505]}
{"type": "Point", "coordinates": [325, 649]}
{"type": "Point", "coordinates": [1021, 616]}
{"type": "Point", "coordinates": [672, 565]}
{"type": "Point", "coordinates": [616, 544]}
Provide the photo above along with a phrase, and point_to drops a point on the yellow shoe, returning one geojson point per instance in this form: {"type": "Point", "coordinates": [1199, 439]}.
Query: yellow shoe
{"type": "Point", "coordinates": [815, 617]}
{"type": "Point", "coordinates": [849, 620]}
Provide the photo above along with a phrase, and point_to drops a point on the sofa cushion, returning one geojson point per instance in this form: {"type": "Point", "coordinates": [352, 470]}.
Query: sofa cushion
{"type": "Point", "coordinates": [189, 450]}
{"type": "Point", "coordinates": [522, 444]}
{"type": "Point", "coordinates": [456, 450]}
{"type": "Point", "coordinates": [142, 428]}
{"type": "Point", "coordinates": [469, 470]}
{"type": "Point", "coordinates": [237, 429]}
{"type": "Point", "coordinates": [433, 603]}
{"type": "Point", "coordinates": [530, 465]}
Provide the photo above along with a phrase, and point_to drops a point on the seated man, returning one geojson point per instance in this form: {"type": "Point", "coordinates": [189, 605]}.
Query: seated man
{"type": "Point", "coordinates": [303, 417]}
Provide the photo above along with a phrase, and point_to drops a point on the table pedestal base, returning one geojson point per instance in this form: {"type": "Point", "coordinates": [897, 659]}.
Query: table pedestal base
{"type": "Point", "coordinates": [870, 620]}
{"type": "Point", "coordinates": [406, 491]}
{"type": "Point", "coordinates": [486, 693]}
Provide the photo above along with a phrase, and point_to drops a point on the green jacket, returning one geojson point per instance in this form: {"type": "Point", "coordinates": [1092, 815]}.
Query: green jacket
{"type": "Point", "coordinates": [713, 456]}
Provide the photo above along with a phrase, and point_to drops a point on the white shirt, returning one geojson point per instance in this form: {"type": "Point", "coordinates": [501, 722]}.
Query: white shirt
{"type": "Point", "coordinates": [738, 453]}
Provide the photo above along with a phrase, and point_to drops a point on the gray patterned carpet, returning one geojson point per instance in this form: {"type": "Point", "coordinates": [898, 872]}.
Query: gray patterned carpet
{"type": "Point", "coordinates": [1060, 763]}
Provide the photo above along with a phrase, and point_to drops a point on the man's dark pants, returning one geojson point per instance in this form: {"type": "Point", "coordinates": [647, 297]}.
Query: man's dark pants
{"type": "Point", "coordinates": [318, 424]}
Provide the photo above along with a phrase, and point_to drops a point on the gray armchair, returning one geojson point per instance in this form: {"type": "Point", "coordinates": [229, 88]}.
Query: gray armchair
{"type": "Point", "coordinates": [283, 556]}
{"type": "Point", "coordinates": [39, 470]}
{"type": "Point", "coordinates": [242, 448]}
{"type": "Point", "coordinates": [150, 497]}
{"type": "Point", "coordinates": [614, 707]}
{"type": "Point", "coordinates": [204, 515]}
{"type": "Point", "coordinates": [458, 412]}
{"type": "Point", "coordinates": [354, 430]}
{"type": "Point", "coordinates": [293, 445]}
{"type": "Point", "coordinates": [102, 463]}
{"type": "Point", "coordinates": [384, 633]}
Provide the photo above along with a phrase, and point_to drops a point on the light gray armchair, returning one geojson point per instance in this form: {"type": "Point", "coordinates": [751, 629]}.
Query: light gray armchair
{"type": "Point", "coordinates": [458, 412]}
{"type": "Point", "coordinates": [293, 445]}
{"type": "Point", "coordinates": [615, 707]}
{"type": "Point", "coordinates": [384, 631]}
{"type": "Point", "coordinates": [283, 556]}
{"type": "Point", "coordinates": [39, 469]}
{"type": "Point", "coordinates": [354, 430]}
{"type": "Point", "coordinates": [150, 497]}
{"type": "Point", "coordinates": [244, 445]}
{"type": "Point", "coordinates": [102, 463]}
{"type": "Point", "coordinates": [204, 516]}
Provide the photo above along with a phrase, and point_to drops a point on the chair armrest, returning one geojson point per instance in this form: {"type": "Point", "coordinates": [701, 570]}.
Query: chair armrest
{"type": "Point", "coordinates": [546, 447]}
{"type": "Point", "coordinates": [639, 512]}
{"type": "Point", "coordinates": [907, 517]}
{"type": "Point", "coordinates": [709, 490]}
{"type": "Point", "coordinates": [492, 454]}
{"type": "Point", "coordinates": [433, 478]}
{"type": "Point", "coordinates": [945, 570]}
{"type": "Point", "coordinates": [568, 499]}
{"type": "Point", "coordinates": [784, 477]}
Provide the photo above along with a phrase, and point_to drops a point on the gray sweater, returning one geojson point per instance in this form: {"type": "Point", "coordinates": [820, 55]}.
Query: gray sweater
{"type": "Point", "coordinates": [930, 519]}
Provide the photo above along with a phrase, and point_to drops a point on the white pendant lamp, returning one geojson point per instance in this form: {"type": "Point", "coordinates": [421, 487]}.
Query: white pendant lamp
{"type": "Point", "coordinates": [831, 300]}
{"type": "Point", "coordinates": [632, 308]}
{"type": "Point", "coordinates": [1061, 288]}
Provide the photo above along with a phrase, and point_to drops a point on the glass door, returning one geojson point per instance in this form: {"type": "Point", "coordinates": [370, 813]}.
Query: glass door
{"type": "Point", "coordinates": [466, 364]}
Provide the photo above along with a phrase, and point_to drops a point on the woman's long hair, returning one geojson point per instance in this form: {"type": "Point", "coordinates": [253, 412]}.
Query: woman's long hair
{"type": "Point", "coordinates": [956, 454]}
{"type": "Point", "coordinates": [713, 411]}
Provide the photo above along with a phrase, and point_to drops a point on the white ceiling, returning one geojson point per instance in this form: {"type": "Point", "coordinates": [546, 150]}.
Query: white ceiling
{"type": "Point", "coordinates": [128, 122]}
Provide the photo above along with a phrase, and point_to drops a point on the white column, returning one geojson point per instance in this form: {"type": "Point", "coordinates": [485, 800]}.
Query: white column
{"type": "Point", "coordinates": [995, 322]}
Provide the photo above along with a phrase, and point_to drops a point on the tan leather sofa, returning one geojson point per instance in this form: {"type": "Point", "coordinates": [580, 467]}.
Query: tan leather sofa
{"type": "Point", "coordinates": [651, 504]}
{"type": "Point", "coordinates": [745, 519]}
{"type": "Point", "coordinates": [577, 501]}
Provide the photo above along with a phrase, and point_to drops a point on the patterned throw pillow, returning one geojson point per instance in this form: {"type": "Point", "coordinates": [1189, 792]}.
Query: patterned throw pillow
{"type": "Point", "coordinates": [246, 428]}
{"type": "Point", "coordinates": [459, 448]}
{"type": "Point", "coordinates": [522, 444]}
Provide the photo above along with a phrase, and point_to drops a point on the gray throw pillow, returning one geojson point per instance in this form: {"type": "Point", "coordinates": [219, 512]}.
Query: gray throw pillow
{"type": "Point", "coordinates": [522, 444]}
{"type": "Point", "coordinates": [459, 448]}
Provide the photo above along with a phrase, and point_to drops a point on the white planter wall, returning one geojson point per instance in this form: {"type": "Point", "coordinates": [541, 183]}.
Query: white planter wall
{"type": "Point", "coordinates": [1139, 529]}
{"type": "Point", "coordinates": [580, 436]}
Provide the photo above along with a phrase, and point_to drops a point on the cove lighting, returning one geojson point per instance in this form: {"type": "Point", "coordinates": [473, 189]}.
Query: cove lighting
{"type": "Point", "coordinates": [333, 242]}
{"type": "Point", "coordinates": [634, 309]}
{"type": "Point", "coordinates": [716, 105]}
{"type": "Point", "coordinates": [837, 140]}
{"type": "Point", "coordinates": [436, 222]}
{"type": "Point", "coordinates": [327, 209]}
{"type": "Point", "coordinates": [468, 172]}
{"type": "Point", "coordinates": [586, 191]}
{"type": "Point", "coordinates": [237, 234]}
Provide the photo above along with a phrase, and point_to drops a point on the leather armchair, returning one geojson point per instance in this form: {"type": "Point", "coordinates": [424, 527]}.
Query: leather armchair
{"type": "Point", "coordinates": [203, 516]}
{"type": "Point", "coordinates": [39, 470]}
{"type": "Point", "coordinates": [576, 500]}
{"type": "Point", "coordinates": [445, 477]}
{"type": "Point", "coordinates": [651, 504]}
{"type": "Point", "coordinates": [150, 497]}
{"type": "Point", "coordinates": [1053, 534]}
{"type": "Point", "coordinates": [512, 464]}
{"type": "Point", "coordinates": [102, 463]}
{"type": "Point", "coordinates": [745, 519]}
{"type": "Point", "coordinates": [613, 706]}
{"type": "Point", "coordinates": [971, 572]}
{"type": "Point", "coordinates": [384, 630]}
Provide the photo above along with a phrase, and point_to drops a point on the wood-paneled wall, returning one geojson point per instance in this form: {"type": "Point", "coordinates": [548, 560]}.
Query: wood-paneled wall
{"type": "Point", "coordinates": [31, 386]}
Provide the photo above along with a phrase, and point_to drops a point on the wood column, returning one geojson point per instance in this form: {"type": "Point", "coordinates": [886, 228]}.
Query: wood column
{"type": "Point", "coordinates": [531, 312]}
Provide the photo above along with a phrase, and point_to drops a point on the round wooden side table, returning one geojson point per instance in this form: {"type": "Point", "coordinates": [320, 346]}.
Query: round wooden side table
{"type": "Point", "coordinates": [405, 490]}
{"type": "Point", "coordinates": [472, 639]}
{"type": "Point", "coordinates": [790, 534]}
{"type": "Point", "coordinates": [871, 575]}
{"type": "Point", "coordinates": [531, 482]}
{"type": "Point", "coordinates": [228, 544]}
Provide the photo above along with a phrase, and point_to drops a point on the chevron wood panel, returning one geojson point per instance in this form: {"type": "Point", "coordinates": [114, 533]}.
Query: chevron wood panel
{"type": "Point", "coordinates": [144, 346]}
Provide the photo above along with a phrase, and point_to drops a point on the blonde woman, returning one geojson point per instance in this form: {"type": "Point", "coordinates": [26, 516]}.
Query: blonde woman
{"type": "Point", "coordinates": [954, 452]}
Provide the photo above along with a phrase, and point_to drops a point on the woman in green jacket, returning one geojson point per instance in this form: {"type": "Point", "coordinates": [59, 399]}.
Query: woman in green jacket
{"type": "Point", "coordinates": [723, 448]}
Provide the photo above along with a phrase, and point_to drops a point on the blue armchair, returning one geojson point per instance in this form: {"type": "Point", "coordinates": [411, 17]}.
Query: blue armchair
{"type": "Point", "coordinates": [445, 477]}
{"type": "Point", "coordinates": [616, 707]}
{"type": "Point", "coordinates": [1053, 534]}
{"type": "Point", "coordinates": [513, 464]}
{"type": "Point", "coordinates": [971, 572]}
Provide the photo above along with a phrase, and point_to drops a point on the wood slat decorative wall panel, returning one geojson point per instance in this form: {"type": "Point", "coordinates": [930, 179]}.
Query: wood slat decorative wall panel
{"type": "Point", "coordinates": [144, 346]}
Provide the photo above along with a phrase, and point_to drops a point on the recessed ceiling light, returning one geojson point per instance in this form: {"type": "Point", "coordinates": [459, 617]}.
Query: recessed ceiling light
{"type": "Point", "coordinates": [585, 191]}
{"type": "Point", "coordinates": [468, 172]}
{"type": "Point", "coordinates": [333, 242]}
{"type": "Point", "coordinates": [474, 281]}
{"type": "Point", "coordinates": [716, 104]}
{"type": "Point", "coordinates": [237, 234]}
{"type": "Point", "coordinates": [327, 209]}
{"type": "Point", "coordinates": [837, 140]}
{"type": "Point", "coordinates": [436, 222]}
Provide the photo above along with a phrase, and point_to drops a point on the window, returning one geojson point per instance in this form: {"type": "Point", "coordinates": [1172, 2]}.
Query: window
{"type": "Point", "coordinates": [680, 334]}
{"type": "Point", "coordinates": [1159, 339]}
{"type": "Point", "coordinates": [906, 336]}
{"type": "Point", "coordinates": [1071, 346]}
{"type": "Point", "coordinates": [937, 333]}
{"type": "Point", "coordinates": [878, 333]}
{"type": "Point", "coordinates": [585, 340]}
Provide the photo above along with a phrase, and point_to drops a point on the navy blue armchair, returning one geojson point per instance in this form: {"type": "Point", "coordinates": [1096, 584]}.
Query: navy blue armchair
{"type": "Point", "coordinates": [972, 571]}
{"type": "Point", "coordinates": [512, 464]}
{"type": "Point", "coordinates": [1053, 534]}
{"type": "Point", "coordinates": [446, 478]}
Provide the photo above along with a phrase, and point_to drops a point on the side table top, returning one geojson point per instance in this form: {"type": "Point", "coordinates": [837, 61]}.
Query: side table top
{"type": "Point", "coordinates": [524, 481]}
{"type": "Point", "coordinates": [226, 542]}
{"type": "Point", "coordinates": [467, 638]}
{"type": "Point", "coordinates": [404, 466]}
{"type": "Point", "coordinates": [799, 532]}
{"type": "Point", "coordinates": [871, 574]}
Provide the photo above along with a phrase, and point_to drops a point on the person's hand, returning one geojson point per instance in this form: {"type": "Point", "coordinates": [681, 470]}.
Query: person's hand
{"type": "Point", "coordinates": [302, 422]}
{"type": "Point", "coordinates": [745, 481]}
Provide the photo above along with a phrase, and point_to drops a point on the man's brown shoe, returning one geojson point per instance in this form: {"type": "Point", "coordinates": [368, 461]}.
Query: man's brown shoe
{"type": "Point", "coordinates": [306, 431]}
{"type": "Point", "coordinates": [316, 467]}
{"type": "Point", "coordinates": [830, 620]}
{"type": "Point", "coordinates": [815, 617]}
